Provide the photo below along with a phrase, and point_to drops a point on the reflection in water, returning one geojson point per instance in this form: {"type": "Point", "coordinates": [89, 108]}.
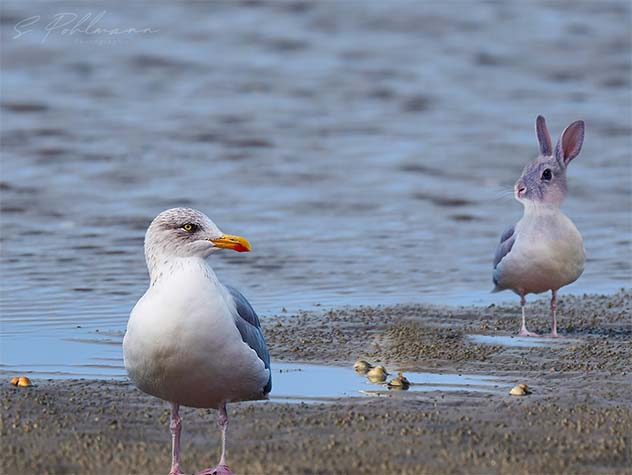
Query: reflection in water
{"type": "Point", "coordinates": [292, 382]}
{"type": "Point", "coordinates": [520, 341]}
{"type": "Point", "coordinates": [301, 382]}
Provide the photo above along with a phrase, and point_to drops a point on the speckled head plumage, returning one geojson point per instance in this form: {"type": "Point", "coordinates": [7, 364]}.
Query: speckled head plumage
{"type": "Point", "coordinates": [544, 180]}
{"type": "Point", "coordinates": [181, 232]}
{"type": "Point", "coordinates": [186, 232]}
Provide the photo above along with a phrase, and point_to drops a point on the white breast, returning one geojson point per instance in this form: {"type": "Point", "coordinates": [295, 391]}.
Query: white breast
{"type": "Point", "coordinates": [182, 344]}
{"type": "Point", "coordinates": [548, 253]}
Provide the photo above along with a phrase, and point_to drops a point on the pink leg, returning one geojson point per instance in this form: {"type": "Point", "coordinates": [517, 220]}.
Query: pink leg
{"type": "Point", "coordinates": [553, 320]}
{"type": "Point", "coordinates": [176, 429]}
{"type": "Point", "coordinates": [523, 329]}
{"type": "Point", "coordinates": [222, 468]}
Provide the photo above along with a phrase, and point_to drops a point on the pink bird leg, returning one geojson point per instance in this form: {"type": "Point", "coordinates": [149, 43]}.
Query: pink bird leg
{"type": "Point", "coordinates": [523, 329]}
{"type": "Point", "coordinates": [176, 429]}
{"type": "Point", "coordinates": [222, 468]}
{"type": "Point", "coordinates": [553, 320]}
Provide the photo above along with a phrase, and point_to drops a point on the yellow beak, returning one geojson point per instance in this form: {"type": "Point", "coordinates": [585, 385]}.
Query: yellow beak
{"type": "Point", "coordinates": [236, 243]}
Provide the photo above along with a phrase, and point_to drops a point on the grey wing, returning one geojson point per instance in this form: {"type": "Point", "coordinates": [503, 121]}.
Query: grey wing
{"type": "Point", "coordinates": [249, 327]}
{"type": "Point", "coordinates": [504, 246]}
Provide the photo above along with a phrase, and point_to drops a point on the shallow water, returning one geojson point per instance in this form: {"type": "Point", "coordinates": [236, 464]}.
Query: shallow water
{"type": "Point", "coordinates": [302, 382]}
{"type": "Point", "coordinates": [518, 341]}
{"type": "Point", "coordinates": [291, 382]}
{"type": "Point", "coordinates": [365, 149]}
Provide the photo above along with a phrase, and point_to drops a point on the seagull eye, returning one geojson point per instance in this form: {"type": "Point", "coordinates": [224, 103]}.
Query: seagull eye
{"type": "Point", "coordinates": [189, 227]}
{"type": "Point", "coordinates": [546, 174]}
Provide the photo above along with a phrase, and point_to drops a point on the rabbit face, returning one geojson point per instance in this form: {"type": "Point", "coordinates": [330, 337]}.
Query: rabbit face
{"type": "Point", "coordinates": [544, 180]}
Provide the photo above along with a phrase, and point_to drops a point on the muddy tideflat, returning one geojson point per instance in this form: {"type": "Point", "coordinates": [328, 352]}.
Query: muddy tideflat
{"type": "Point", "coordinates": [577, 420]}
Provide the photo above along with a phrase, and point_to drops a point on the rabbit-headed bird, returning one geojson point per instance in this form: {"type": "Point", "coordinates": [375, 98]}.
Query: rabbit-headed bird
{"type": "Point", "coordinates": [544, 250]}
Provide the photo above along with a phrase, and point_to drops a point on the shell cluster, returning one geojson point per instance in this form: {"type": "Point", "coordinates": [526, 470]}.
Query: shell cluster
{"type": "Point", "coordinates": [377, 374]}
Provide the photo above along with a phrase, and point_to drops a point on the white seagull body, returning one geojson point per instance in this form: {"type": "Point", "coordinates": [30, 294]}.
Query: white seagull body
{"type": "Point", "coordinates": [183, 343]}
{"type": "Point", "coordinates": [546, 252]}
{"type": "Point", "coordinates": [191, 340]}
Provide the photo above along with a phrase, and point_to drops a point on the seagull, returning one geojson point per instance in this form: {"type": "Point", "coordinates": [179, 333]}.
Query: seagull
{"type": "Point", "coordinates": [544, 250]}
{"type": "Point", "coordinates": [191, 340]}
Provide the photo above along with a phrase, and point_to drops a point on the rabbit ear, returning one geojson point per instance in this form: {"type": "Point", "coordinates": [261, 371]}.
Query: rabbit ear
{"type": "Point", "coordinates": [544, 138]}
{"type": "Point", "coordinates": [570, 143]}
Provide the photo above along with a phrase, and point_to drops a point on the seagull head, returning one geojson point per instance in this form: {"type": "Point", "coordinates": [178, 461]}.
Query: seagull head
{"type": "Point", "coordinates": [185, 232]}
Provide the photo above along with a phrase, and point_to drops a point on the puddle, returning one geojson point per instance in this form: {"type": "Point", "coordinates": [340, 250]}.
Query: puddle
{"type": "Point", "coordinates": [291, 382]}
{"type": "Point", "coordinates": [45, 356]}
{"type": "Point", "coordinates": [519, 341]}
{"type": "Point", "coordinates": [62, 371]}
{"type": "Point", "coordinates": [308, 382]}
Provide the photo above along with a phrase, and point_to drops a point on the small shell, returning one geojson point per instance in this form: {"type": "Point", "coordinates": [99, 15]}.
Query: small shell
{"type": "Point", "coordinates": [377, 374]}
{"type": "Point", "coordinates": [401, 377]}
{"type": "Point", "coordinates": [24, 382]}
{"type": "Point", "coordinates": [399, 382]}
{"type": "Point", "coordinates": [378, 371]}
{"type": "Point", "coordinates": [520, 390]}
{"type": "Point", "coordinates": [362, 366]}
{"type": "Point", "coordinates": [377, 379]}
{"type": "Point", "coordinates": [15, 380]}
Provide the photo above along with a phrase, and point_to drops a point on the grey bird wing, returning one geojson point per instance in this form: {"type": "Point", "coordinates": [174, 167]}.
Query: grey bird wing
{"type": "Point", "coordinates": [506, 243]}
{"type": "Point", "coordinates": [249, 327]}
{"type": "Point", "coordinates": [507, 240]}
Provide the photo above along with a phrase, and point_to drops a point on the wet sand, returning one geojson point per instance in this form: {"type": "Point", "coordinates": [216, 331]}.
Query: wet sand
{"type": "Point", "coordinates": [578, 419]}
